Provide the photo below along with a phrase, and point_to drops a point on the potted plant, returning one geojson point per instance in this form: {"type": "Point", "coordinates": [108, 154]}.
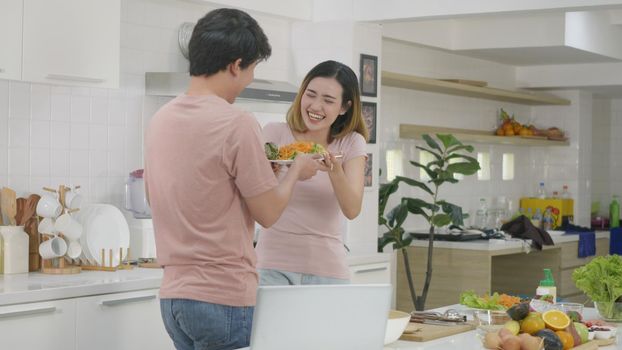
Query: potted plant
{"type": "Point", "coordinates": [449, 159]}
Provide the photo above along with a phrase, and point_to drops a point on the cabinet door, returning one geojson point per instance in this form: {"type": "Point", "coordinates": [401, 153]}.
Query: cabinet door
{"type": "Point", "coordinates": [44, 325]}
{"type": "Point", "coordinates": [72, 42]}
{"type": "Point", "coordinates": [370, 273]}
{"type": "Point", "coordinates": [11, 39]}
{"type": "Point", "coordinates": [121, 321]}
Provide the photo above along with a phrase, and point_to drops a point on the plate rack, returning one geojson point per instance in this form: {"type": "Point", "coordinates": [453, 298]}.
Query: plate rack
{"type": "Point", "coordinates": [59, 266]}
{"type": "Point", "coordinates": [107, 264]}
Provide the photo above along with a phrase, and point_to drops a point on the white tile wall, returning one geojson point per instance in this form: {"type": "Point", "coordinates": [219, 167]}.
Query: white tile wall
{"type": "Point", "coordinates": [555, 166]}
{"type": "Point", "coordinates": [93, 137]}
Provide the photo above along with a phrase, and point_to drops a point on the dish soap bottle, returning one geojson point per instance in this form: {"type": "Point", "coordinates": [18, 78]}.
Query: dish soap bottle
{"type": "Point", "coordinates": [547, 291]}
{"type": "Point", "coordinates": [614, 212]}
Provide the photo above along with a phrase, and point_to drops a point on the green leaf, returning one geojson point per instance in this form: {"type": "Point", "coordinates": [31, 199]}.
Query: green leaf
{"type": "Point", "coordinates": [417, 206]}
{"type": "Point", "coordinates": [454, 212]}
{"type": "Point", "coordinates": [463, 156]}
{"type": "Point", "coordinates": [415, 183]}
{"type": "Point", "coordinates": [465, 168]}
{"type": "Point", "coordinates": [384, 193]}
{"type": "Point", "coordinates": [430, 141]}
{"type": "Point", "coordinates": [448, 140]}
{"type": "Point", "coordinates": [427, 169]}
{"type": "Point", "coordinates": [386, 238]}
{"type": "Point", "coordinates": [436, 155]}
{"type": "Point", "coordinates": [440, 220]}
{"type": "Point", "coordinates": [467, 148]}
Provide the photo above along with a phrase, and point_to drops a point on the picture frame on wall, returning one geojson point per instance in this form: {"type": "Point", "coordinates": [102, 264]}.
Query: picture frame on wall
{"type": "Point", "coordinates": [369, 111]}
{"type": "Point", "coordinates": [369, 75]}
{"type": "Point", "coordinates": [369, 171]}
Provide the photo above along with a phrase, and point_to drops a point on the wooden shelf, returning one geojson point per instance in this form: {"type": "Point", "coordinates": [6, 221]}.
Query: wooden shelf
{"type": "Point", "coordinates": [411, 131]}
{"type": "Point", "coordinates": [434, 85]}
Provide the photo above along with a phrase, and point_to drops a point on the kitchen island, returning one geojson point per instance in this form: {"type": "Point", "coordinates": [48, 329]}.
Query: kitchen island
{"type": "Point", "coordinates": [485, 266]}
{"type": "Point", "coordinates": [470, 341]}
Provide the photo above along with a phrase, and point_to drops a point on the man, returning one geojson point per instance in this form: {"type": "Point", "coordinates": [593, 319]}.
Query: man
{"type": "Point", "coordinates": [208, 180]}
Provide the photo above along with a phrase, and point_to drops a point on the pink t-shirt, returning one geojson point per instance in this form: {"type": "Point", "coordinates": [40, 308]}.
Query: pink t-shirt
{"type": "Point", "coordinates": [307, 237]}
{"type": "Point", "coordinates": [202, 157]}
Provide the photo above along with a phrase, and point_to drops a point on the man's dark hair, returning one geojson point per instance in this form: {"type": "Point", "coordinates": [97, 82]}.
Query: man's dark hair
{"type": "Point", "coordinates": [221, 37]}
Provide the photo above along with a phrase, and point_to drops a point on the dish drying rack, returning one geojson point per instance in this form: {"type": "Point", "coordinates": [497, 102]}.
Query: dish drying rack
{"type": "Point", "coordinates": [64, 265]}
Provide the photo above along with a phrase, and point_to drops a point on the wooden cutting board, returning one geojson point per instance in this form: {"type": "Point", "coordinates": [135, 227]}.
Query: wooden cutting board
{"type": "Point", "coordinates": [424, 332]}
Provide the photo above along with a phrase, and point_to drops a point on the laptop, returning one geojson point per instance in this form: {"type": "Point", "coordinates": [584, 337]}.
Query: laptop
{"type": "Point", "coordinates": [321, 317]}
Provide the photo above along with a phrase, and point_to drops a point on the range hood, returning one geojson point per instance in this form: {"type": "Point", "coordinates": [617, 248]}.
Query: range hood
{"type": "Point", "coordinates": [173, 84]}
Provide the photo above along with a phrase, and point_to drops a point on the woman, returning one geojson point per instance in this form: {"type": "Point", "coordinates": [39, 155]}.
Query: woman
{"type": "Point", "coordinates": [305, 245]}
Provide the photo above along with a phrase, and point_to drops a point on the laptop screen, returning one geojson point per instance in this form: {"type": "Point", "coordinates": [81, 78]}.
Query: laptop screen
{"type": "Point", "coordinates": [327, 317]}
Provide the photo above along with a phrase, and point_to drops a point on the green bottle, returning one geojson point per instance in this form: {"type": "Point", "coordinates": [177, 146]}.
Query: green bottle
{"type": "Point", "coordinates": [614, 212]}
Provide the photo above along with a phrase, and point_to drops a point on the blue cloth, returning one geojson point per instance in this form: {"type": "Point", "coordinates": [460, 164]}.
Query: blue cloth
{"type": "Point", "coordinates": [615, 241]}
{"type": "Point", "coordinates": [587, 242]}
{"type": "Point", "coordinates": [195, 324]}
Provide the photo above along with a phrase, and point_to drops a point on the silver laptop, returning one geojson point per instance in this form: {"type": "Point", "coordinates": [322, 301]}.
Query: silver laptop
{"type": "Point", "coordinates": [321, 317]}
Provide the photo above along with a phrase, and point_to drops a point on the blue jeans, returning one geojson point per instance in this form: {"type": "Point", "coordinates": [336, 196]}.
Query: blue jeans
{"type": "Point", "coordinates": [269, 277]}
{"type": "Point", "coordinates": [197, 325]}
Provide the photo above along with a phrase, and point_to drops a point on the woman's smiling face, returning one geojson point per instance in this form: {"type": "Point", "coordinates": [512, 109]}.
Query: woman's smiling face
{"type": "Point", "coordinates": [321, 103]}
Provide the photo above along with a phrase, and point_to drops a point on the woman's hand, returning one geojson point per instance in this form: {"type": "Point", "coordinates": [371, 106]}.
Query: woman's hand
{"type": "Point", "coordinates": [332, 162]}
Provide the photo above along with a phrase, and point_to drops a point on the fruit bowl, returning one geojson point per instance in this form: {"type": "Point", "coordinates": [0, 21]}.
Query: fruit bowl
{"type": "Point", "coordinates": [609, 311]}
{"type": "Point", "coordinates": [490, 320]}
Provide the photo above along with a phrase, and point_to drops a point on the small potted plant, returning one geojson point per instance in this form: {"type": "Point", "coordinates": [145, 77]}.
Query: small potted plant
{"type": "Point", "coordinates": [450, 158]}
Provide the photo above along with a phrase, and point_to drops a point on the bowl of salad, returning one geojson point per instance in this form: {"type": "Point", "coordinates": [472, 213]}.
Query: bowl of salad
{"type": "Point", "coordinates": [601, 281]}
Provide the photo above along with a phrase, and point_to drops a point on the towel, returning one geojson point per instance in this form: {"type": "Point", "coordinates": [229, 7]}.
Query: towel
{"type": "Point", "coordinates": [521, 227]}
{"type": "Point", "coordinates": [615, 241]}
{"type": "Point", "coordinates": [587, 238]}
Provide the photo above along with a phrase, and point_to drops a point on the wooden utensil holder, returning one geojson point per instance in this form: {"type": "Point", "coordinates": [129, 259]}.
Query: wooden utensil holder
{"type": "Point", "coordinates": [59, 266]}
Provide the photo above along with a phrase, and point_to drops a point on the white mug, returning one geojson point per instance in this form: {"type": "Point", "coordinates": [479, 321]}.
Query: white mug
{"type": "Point", "coordinates": [74, 249]}
{"type": "Point", "coordinates": [53, 248]}
{"type": "Point", "coordinates": [46, 226]}
{"type": "Point", "coordinates": [49, 207]}
{"type": "Point", "coordinates": [73, 200]}
{"type": "Point", "coordinates": [68, 226]}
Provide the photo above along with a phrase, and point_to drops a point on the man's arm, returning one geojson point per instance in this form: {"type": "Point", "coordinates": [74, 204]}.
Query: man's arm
{"type": "Point", "coordinates": [267, 207]}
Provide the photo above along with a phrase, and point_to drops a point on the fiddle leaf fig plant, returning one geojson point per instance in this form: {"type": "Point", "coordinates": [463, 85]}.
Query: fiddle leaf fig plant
{"type": "Point", "coordinates": [450, 158]}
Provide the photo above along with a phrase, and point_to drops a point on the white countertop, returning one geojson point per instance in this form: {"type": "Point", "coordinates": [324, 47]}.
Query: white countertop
{"type": "Point", "coordinates": [500, 245]}
{"type": "Point", "coordinates": [470, 341]}
{"type": "Point", "coordinates": [35, 286]}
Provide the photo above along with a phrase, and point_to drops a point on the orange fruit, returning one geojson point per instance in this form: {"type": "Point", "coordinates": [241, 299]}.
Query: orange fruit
{"type": "Point", "coordinates": [532, 324]}
{"type": "Point", "coordinates": [556, 320]}
{"type": "Point", "coordinates": [566, 338]}
{"type": "Point", "coordinates": [509, 132]}
{"type": "Point", "coordinates": [499, 131]}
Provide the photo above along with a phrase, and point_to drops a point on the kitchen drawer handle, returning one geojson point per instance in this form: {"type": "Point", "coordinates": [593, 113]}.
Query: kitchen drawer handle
{"type": "Point", "coordinates": [116, 302]}
{"type": "Point", "coordinates": [42, 310]}
{"type": "Point", "coordinates": [372, 269]}
{"type": "Point", "coordinates": [74, 78]}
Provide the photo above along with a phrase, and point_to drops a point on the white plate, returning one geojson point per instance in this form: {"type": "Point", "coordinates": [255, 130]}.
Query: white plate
{"type": "Point", "coordinates": [105, 228]}
{"type": "Point", "coordinates": [555, 233]}
{"type": "Point", "coordinates": [282, 161]}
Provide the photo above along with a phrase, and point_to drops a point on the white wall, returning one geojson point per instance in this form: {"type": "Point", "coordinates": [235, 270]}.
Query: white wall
{"type": "Point", "coordinates": [51, 135]}
{"type": "Point", "coordinates": [555, 166]}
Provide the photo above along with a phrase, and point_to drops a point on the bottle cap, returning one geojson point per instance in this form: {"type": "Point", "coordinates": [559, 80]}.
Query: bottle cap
{"type": "Point", "coordinates": [548, 280]}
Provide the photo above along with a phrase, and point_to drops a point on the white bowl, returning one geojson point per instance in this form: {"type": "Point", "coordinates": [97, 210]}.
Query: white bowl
{"type": "Point", "coordinates": [396, 324]}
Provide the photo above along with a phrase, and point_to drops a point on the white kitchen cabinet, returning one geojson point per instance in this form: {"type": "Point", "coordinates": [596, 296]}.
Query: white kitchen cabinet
{"type": "Point", "coordinates": [379, 272]}
{"type": "Point", "coordinates": [35, 326]}
{"type": "Point", "coordinates": [121, 321]}
{"type": "Point", "coordinates": [11, 39]}
{"type": "Point", "coordinates": [71, 42]}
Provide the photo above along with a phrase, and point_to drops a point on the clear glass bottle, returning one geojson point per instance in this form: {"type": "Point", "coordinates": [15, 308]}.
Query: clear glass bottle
{"type": "Point", "coordinates": [541, 191]}
{"type": "Point", "coordinates": [481, 215]}
{"type": "Point", "coordinates": [555, 195]}
{"type": "Point", "coordinates": [565, 194]}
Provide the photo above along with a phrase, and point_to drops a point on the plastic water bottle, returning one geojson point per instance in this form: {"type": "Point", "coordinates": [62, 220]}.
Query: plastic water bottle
{"type": "Point", "coordinates": [536, 220]}
{"type": "Point", "coordinates": [481, 215]}
{"type": "Point", "coordinates": [541, 191]}
{"type": "Point", "coordinates": [614, 212]}
{"type": "Point", "coordinates": [565, 194]}
{"type": "Point", "coordinates": [547, 220]}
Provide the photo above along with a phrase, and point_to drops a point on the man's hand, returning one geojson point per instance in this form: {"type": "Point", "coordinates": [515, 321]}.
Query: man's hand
{"type": "Point", "coordinates": [306, 165]}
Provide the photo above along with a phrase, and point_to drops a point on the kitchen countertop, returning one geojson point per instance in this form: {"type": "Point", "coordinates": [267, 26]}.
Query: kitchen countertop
{"type": "Point", "coordinates": [494, 245]}
{"type": "Point", "coordinates": [470, 341]}
{"type": "Point", "coordinates": [35, 286]}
